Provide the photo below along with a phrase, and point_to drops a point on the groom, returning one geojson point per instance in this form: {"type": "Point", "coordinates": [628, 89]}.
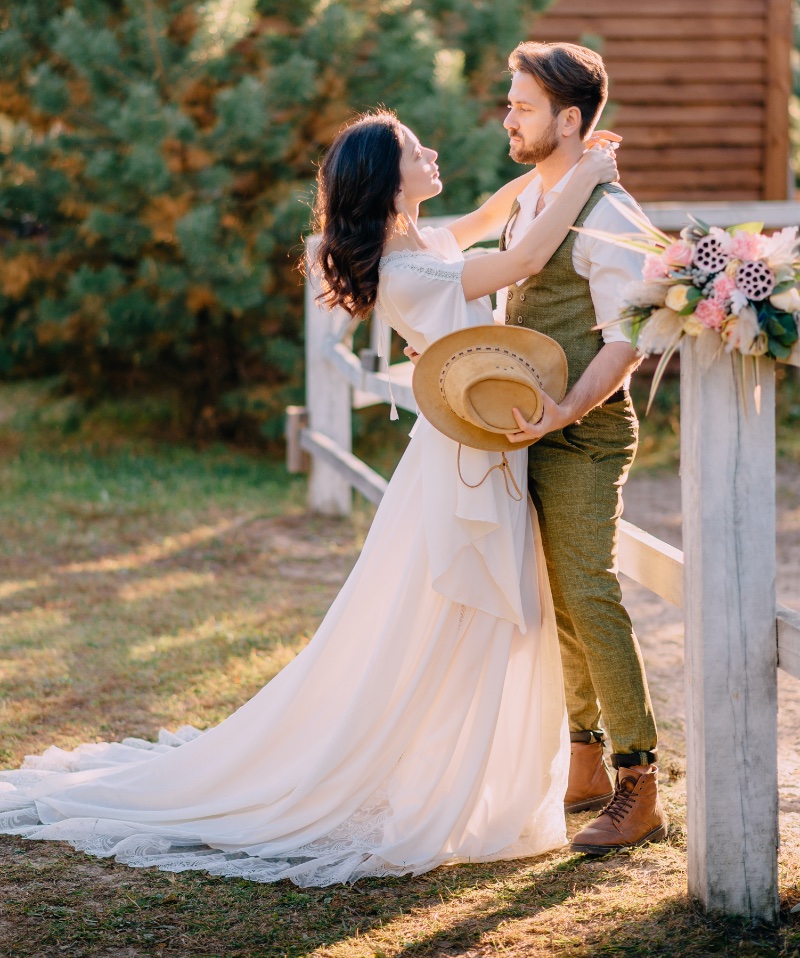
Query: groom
{"type": "Point", "coordinates": [585, 446]}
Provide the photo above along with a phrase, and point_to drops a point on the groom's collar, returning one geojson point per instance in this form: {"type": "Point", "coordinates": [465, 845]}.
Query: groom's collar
{"type": "Point", "coordinates": [533, 190]}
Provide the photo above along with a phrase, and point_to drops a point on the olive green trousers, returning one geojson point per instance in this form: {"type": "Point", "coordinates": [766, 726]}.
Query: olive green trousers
{"type": "Point", "coordinates": [575, 478]}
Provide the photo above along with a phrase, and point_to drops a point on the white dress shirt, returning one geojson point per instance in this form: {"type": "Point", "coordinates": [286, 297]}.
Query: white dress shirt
{"type": "Point", "coordinates": [608, 268]}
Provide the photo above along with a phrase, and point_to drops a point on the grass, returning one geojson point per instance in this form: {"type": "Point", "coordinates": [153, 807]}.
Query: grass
{"type": "Point", "coordinates": [144, 586]}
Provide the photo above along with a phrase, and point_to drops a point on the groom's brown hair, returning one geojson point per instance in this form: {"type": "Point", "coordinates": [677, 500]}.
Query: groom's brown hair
{"type": "Point", "coordinates": [571, 75]}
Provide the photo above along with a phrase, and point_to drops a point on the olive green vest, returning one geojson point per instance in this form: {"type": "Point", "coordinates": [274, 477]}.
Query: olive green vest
{"type": "Point", "coordinates": [557, 301]}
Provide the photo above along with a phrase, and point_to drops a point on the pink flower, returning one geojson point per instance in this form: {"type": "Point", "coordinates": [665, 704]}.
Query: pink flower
{"type": "Point", "coordinates": [654, 268]}
{"type": "Point", "coordinates": [724, 286]}
{"type": "Point", "coordinates": [679, 253]}
{"type": "Point", "coordinates": [711, 313]}
{"type": "Point", "coordinates": [747, 246]}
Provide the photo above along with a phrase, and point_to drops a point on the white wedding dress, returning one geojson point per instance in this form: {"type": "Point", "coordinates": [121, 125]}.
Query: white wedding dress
{"type": "Point", "coordinates": [424, 724]}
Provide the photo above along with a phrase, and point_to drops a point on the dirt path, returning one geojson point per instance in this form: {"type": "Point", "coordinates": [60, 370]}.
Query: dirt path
{"type": "Point", "coordinates": [653, 503]}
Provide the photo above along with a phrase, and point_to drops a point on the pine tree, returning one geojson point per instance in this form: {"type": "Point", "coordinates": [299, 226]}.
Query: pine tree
{"type": "Point", "coordinates": [156, 167]}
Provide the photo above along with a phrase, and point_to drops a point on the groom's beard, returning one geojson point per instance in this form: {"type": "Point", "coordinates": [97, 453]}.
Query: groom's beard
{"type": "Point", "coordinates": [539, 150]}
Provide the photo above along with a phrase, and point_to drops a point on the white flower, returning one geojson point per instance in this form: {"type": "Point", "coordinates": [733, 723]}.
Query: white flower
{"type": "Point", "coordinates": [741, 332]}
{"type": "Point", "coordinates": [641, 293]}
{"type": "Point", "coordinates": [677, 297]}
{"type": "Point", "coordinates": [662, 330]}
{"type": "Point", "coordinates": [788, 301]}
{"type": "Point", "coordinates": [780, 249]}
{"type": "Point", "coordinates": [739, 302]}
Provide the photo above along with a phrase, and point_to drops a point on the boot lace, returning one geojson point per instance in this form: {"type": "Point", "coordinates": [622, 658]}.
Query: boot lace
{"type": "Point", "coordinates": [621, 803]}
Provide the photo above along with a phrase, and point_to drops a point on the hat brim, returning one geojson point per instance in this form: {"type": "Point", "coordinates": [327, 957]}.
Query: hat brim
{"type": "Point", "coordinates": [544, 354]}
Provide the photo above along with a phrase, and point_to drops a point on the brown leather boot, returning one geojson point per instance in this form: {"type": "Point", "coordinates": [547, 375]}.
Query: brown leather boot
{"type": "Point", "coordinates": [590, 783]}
{"type": "Point", "coordinates": [633, 817]}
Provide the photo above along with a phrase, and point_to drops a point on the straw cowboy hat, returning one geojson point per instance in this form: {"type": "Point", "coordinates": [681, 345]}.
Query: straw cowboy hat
{"type": "Point", "coordinates": [466, 383]}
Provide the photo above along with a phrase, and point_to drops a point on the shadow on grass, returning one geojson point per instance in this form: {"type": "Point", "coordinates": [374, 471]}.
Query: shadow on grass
{"type": "Point", "coordinates": [56, 901]}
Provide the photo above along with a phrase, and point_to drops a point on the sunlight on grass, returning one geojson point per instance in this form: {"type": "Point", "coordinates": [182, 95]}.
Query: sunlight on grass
{"type": "Point", "coordinates": [153, 552]}
{"type": "Point", "coordinates": [7, 589]}
{"type": "Point", "coordinates": [164, 584]}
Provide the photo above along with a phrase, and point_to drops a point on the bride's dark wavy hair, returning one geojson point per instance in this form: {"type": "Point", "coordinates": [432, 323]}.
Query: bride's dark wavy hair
{"type": "Point", "coordinates": [357, 189]}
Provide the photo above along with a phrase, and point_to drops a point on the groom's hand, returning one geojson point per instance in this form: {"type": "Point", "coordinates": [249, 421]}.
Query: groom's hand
{"type": "Point", "coordinates": [411, 354]}
{"type": "Point", "coordinates": [553, 418]}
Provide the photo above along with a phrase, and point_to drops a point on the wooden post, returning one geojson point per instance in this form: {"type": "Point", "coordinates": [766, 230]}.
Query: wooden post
{"type": "Point", "coordinates": [780, 31]}
{"type": "Point", "coordinates": [728, 489]}
{"type": "Point", "coordinates": [328, 401]}
{"type": "Point", "coordinates": [296, 457]}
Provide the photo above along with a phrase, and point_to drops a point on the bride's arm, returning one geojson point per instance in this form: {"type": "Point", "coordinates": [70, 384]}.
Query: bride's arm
{"type": "Point", "coordinates": [489, 219]}
{"type": "Point", "coordinates": [487, 274]}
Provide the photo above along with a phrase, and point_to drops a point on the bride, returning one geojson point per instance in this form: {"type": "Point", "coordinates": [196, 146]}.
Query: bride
{"type": "Point", "coordinates": [424, 723]}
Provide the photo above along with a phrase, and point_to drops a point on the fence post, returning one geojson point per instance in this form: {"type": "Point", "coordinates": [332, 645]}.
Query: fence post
{"type": "Point", "coordinates": [728, 490]}
{"type": "Point", "coordinates": [328, 400]}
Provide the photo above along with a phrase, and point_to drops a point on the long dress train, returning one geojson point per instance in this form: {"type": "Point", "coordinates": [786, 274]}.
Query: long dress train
{"type": "Point", "coordinates": [423, 724]}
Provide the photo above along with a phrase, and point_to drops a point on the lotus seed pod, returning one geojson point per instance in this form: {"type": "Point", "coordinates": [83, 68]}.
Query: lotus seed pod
{"type": "Point", "coordinates": [710, 254]}
{"type": "Point", "coordinates": [756, 280]}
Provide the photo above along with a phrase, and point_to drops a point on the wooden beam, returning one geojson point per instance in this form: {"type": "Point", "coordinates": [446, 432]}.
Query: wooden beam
{"type": "Point", "coordinates": [554, 28]}
{"type": "Point", "coordinates": [687, 51]}
{"type": "Point", "coordinates": [658, 94]}
{"type": "Point", "coordinates": [693, 158]}
{"type": "Point", "coordinates": [717, 115]}
{"type": "Point", "coordinates": [727, 485]}
{"type": "Point", "coordinates": [348, 467]}
{"type": "Point", "coordinates": [780, 32]}
{"type": "Point", "coordinates": [683, 71]}
{"type": "Point", "coordinates": [788, 624]}
{"type": "Point", "coordinates": [686, 9]}
{"type": "Point", "coordinates": [668, 134]}
{"type": "Point", "coordinates": [651, 562]}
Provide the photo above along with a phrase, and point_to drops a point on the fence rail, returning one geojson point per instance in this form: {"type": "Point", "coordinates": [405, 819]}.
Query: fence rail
{"type": "Point", "coordinates": [736, 637]}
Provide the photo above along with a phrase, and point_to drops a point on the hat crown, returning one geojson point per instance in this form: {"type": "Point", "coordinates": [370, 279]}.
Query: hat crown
{"type": "Point", "coordinates": [482, 384]}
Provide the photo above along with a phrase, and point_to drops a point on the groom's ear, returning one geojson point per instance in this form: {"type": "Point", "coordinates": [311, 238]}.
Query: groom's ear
{"type": "Point", "coordinates": [571, 120]}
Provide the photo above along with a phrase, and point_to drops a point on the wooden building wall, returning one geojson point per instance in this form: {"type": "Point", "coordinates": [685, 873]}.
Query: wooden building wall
{"type": "Point", "coordinates": [699, 90]}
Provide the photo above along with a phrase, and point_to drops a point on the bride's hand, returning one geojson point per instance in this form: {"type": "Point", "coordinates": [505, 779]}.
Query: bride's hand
{"type": "Point", "coordinates": [601, 164]}
{"type": "Point", "coordinates": [602, 139]}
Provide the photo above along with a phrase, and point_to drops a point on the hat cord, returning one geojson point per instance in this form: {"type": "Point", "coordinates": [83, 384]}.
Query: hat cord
{"type": "Point", "coordinates": [503, 466]}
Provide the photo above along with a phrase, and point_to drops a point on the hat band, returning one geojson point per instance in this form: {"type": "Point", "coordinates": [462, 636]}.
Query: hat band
{"type": "Point", "coordinates": [483, 349]}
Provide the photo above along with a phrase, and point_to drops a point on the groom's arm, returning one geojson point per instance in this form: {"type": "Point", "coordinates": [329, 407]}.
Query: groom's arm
{"type": "Point", "coordinates": [603, 377]}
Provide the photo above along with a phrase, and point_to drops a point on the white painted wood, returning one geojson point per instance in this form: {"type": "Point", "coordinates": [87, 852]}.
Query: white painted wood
{"type": "Point", "coordinates": [788, 627]}
{"type": "Point", "coordinates": [296, 458]}
{"type": "Point", "coordinates": [328, 401]}
{"type": "Point", "coordinates": [651, 562]}
{"type": "Point", "coordinates": [728, 492]}
{"type": "Point", "coordinates": [355, 472]}
{"type": "Point", "coordinates": [345, 362]}
{"type": "Point", "coordinates": [775, 214]}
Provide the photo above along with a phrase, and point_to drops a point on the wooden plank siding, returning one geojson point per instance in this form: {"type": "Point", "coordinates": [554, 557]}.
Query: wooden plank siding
{"type": "Point", "coordinates": [699, 91]}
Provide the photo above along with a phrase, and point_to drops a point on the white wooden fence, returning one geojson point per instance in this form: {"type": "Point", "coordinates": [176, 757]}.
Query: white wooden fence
{"type": "Point", "coordinates": [736, 637]}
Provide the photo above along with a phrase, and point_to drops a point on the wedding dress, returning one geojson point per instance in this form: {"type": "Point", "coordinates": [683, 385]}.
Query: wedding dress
{"type": "Point", "coordinates": [423, 724]}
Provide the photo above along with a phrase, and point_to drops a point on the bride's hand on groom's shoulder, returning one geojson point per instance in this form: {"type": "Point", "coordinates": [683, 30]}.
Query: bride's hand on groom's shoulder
{"type": "Point", "coordinates": [553, 418]}
{"type": "Point", "coordinates": [603, 140]}
{"type": "Point", "coordinates": [600, 157]}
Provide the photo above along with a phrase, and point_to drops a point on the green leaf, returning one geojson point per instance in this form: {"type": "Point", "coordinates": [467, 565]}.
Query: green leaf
{"type": "Point", "coordinates": [752, 228]}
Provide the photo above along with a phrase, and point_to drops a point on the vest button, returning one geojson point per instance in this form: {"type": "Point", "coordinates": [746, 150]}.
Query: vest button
{"type": "Point", "coordinates": [510, 294]}
{"type": "Point", "coordinates": [522, 297]}
{"type": "Point", "coordinates": [519, 321]}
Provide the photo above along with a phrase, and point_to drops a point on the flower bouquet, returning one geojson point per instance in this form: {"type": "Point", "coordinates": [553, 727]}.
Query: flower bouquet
{"type": "Point", "coordinates": [734, 289]}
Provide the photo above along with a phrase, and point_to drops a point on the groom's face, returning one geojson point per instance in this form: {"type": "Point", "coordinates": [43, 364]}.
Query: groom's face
{"type": "Point", "coordinates": [532, 129]}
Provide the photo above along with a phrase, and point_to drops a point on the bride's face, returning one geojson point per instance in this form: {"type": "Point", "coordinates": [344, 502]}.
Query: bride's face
{"type": "Point", "coordinates": [419, 173]}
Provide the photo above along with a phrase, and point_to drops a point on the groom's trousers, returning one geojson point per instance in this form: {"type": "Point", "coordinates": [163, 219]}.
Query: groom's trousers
{"type": "Point", "coordinates": [575, 480]}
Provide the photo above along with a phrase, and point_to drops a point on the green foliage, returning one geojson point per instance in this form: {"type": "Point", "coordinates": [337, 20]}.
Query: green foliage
{"type": "Point", "coordinates": [157, 162]}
